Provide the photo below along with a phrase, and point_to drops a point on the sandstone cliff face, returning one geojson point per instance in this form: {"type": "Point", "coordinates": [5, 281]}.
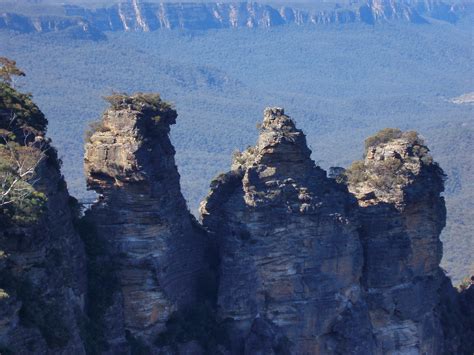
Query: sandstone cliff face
{"type": "Point", "coordinates": [151, 238]}
{"type": "Point", "coordinates": [398, 187]}
{"type": "Point", "coordinates": [290, 256]}
{"type": "Point", "coordinates": [138, 16]}
{"type": "Point", "coordinates": [308, 268]}
{"type": "Point", "coordinates": [42, 261]}
{"type": "Point", "coordinates": [306, 264]}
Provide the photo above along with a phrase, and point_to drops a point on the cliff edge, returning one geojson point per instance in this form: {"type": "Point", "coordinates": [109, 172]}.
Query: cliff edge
{"type": "Point", "coordinates": [42, 260]}
{"type": "Point", "coordinates": [142, 220]}
{"type": "Point", "coordinates": [290, 255]}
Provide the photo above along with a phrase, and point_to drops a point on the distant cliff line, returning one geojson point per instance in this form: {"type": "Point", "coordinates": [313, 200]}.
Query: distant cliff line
{"type": "Point", "coordinates": [138, 16]}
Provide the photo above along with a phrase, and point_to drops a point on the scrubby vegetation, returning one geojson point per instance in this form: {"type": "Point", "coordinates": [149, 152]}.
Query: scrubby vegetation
{"type": "Point", "coordinates": [383, 136]}
{"type": "Point", "coordinates": [18, 112]}
{"type": "Point", "coordinates": [389, 134]}
{"type": "Point", "coordinates": [19, 201]}
{"type": "Point", "coordinates": [9, 70]}
{"type": "Point", "coordinates": [162, 111]}
{"type": "Point", "coordinates": [122, 100]}
{"type": "Point", "coordinates": [20, 153]}
{"type": "Point", "coordinates": [388, 173]}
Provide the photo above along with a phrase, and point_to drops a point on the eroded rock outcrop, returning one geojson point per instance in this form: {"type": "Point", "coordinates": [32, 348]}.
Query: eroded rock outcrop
{"type": "Point", "coordinates": [42, 261]}
{"type": "Point", "coordinates": [402, 213]}
{"type": "Point", "coordinates": [290, 255]}
{"type": "Point", "coordinates": [141, 216]}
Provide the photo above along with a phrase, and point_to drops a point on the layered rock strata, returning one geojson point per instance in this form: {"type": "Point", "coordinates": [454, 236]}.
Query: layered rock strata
{"type": "Point", "coordinates": [306, 264]}
{"type": "Point", "coordinates": [290, 255]}
{"type": "Point", "coordinates": [141, 216]}
{"type": "Point", "coordinates": [402, 213]}
{"type": "Point", "coordinates": [134, 15]}
{"type": "Point", "coordinates": [42, 260]}
{"type": "Point", "coordinates": [308, 268]}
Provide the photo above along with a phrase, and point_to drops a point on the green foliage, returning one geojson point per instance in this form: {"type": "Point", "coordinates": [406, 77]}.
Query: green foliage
{"type": "Point", "coordinates": [389, 172]}
{"type": "Point", "coordinates": [383, 136]}
{"type": "Point", "coordinates": [20, 121]}
{"type": "Point", "coordinates": [356, 173]}
{"type": "Point", "coordinates": [20, 202]}
{"type": "Point", "coordinates": [8, 70]}
{"type": "Point", "coordinates": [122, 101]}
{"type": "Point", "coordinates": [162, 111]}
{"type": "Point", "coordinates": [238, 157]}
{"type": "Point", "coordinates": [18, 112]}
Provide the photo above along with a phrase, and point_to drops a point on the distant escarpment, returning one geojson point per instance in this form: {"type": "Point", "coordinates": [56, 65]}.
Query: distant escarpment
{"type": "Point", "coordinates": [42, 260]}
{"type": "Point", "coordinates": [152, 246]}
{"type": "Point", "coordinates": [135, 15]}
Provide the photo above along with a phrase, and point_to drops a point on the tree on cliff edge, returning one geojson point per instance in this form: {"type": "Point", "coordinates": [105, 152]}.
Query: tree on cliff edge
{"type": "Point", "coordinates": [8, 71]}
{"type": "Point", "coordinates": [22, 149]}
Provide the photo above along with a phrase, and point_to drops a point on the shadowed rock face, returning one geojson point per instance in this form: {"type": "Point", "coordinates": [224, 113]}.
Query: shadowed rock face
{"type": "Point", "coordinates": [142, 216]}
{"type": "Point", "coordinates": [42, 261]}
{"type": "Point", "coordinates": [402, 215]}
{"type": "Point", "coordinates": [291, 259]}
{"type": "Point", "coordinates": [308, 268]}
{"type": "Point", "coordinates": [44, 276]}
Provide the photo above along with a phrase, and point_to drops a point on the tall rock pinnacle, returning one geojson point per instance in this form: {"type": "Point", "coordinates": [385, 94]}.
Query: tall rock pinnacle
{"type": "Point", "coordinates": [141, 215]}
{"type": "Point", "coordinates": [291, 259]}
{"type": "Point", "coordinates": [398, 187]}
{"type": "Point", "coordinates": [42, 259]}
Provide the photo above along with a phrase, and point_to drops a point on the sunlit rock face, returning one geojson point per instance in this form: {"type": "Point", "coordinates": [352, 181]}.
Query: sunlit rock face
{"type": "Point", "coordinates": [398, 187]}
{"type": "Point", "coordinates": [290, 254]}
{"type": "Point", "coordinates": [347, 264]}
{"type": "Point", "coordinates": [42, 259]}
{"type": "Point", "coordinates": [142, 16]}
{"type": "Point", "coordinates": [155, 244]}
